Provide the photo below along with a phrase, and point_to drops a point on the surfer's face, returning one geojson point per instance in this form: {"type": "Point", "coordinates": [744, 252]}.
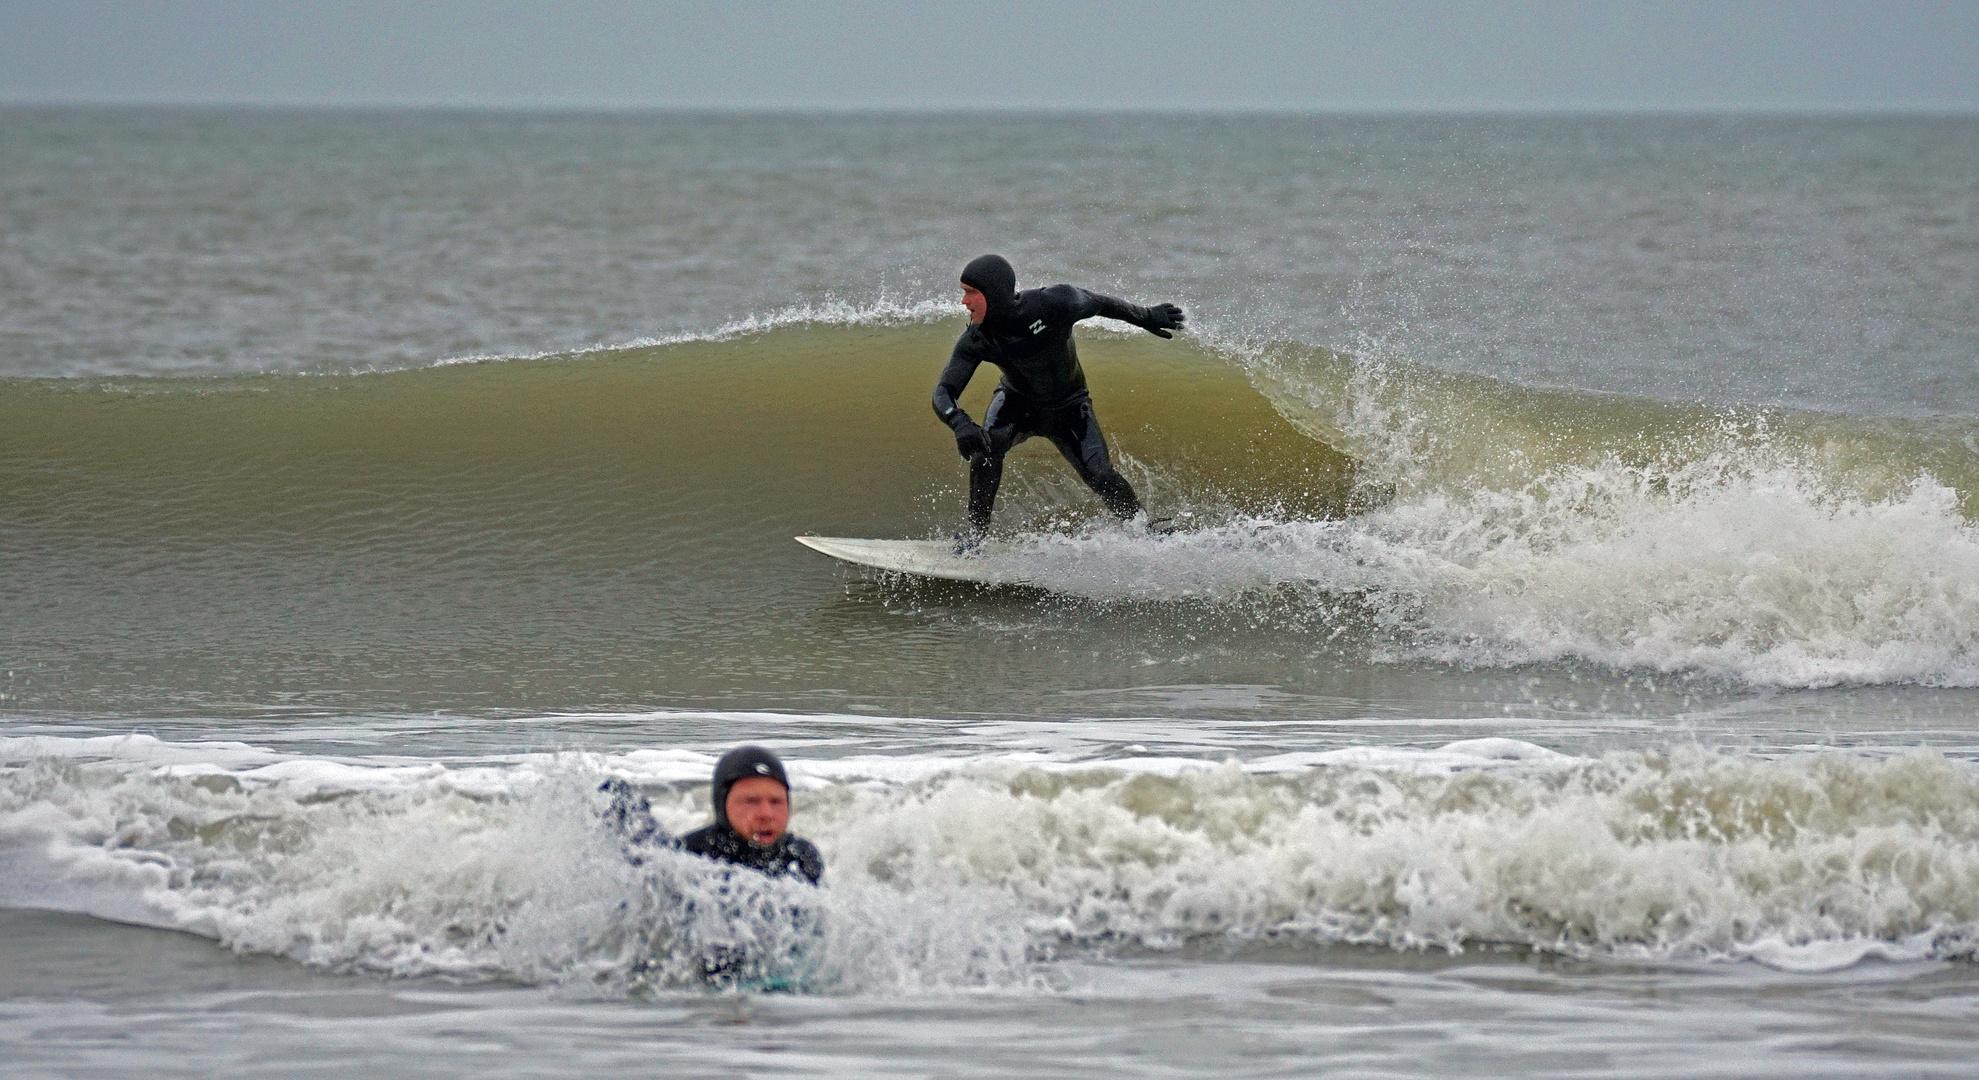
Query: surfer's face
{"type": "Point", "coordinates": [759, 809]}
{"type": "Point", "coordinates": [976, 302]}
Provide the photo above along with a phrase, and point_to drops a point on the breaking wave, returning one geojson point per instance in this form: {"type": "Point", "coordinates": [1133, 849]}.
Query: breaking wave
{"type": "Point", "coordinates": [956, 874]}
{"type": "Point", "coordinates": [1429, 516]}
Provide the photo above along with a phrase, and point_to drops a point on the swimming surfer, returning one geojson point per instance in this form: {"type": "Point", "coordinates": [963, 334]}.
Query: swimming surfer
{"type": "Point", "coordinates": [1028, 336]}
{"type": "Point", "coordinates": [751, 830]}
{"type": "Point", "coordinates": [752, 819]}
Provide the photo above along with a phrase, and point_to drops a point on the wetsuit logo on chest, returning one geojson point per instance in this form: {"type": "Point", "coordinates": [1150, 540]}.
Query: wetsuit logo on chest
{"type": "Point", "coordinates": [1037, 328]}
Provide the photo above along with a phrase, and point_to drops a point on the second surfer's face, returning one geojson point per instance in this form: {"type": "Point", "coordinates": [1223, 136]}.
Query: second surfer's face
{"type": "Point", "coordinates": [976, 302]}
{"type": "Point", "coordinates": [759, 809]}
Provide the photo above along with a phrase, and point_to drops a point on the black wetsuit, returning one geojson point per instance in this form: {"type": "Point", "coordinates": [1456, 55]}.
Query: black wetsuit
{"type": "Point", "coordinates": [790, 856]}
{"type": "Point", "coordinates": [1028, 336]}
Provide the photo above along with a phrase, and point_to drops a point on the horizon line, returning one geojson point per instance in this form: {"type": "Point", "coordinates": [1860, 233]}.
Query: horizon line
{"type": "Point", "coordinates": [1343, 109]}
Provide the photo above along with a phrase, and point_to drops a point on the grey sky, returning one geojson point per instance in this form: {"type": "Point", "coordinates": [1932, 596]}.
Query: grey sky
{"type": "Point", "coordinates": [1099, 54]}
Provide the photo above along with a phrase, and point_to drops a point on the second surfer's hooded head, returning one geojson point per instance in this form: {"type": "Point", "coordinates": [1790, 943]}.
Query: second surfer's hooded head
{"type": "Point", "coordinates": [993, 276]}
{"type": "Point", "coordinates": [740, 764]}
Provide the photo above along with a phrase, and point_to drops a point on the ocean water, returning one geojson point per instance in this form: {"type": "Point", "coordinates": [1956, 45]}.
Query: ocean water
{"type": "Point", "coordinates": [1567, 662]}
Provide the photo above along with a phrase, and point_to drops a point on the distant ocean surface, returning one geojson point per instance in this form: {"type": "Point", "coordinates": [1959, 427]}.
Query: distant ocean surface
{"type": "Point", "coordinates": [1567, 663]}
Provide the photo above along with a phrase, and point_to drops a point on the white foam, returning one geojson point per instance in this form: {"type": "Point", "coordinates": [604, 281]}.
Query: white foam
{"type": "Point", "coordinates": [1728, 566]}
{"type": "Point", "coordinates": [1466, 754]}
{"type": "Point", "coordinates": [1697, 855]}
{"type": "Point", "coordinates": [1821, 956]}
{"type": "Point", "coordinates": [133, 748]}
{"type": "Point", "coordinates": [1759, 575]}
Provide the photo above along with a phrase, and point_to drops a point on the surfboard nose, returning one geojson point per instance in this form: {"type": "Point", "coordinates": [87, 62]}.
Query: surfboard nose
{"type": "Point", "coordinates": [922, 558]}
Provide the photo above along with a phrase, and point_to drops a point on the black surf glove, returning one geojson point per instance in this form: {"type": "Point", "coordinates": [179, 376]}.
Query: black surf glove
{"type": "Point", "coordinates": [971, 440]}
{"type": "Point", "coordinates": [1162, 318]}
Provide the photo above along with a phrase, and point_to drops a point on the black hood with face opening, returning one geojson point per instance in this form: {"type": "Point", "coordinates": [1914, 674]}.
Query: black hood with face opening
{"type": "Point", "coordinates": [742, 763]}
{"type": "Point", "coordinates": [993, 276]}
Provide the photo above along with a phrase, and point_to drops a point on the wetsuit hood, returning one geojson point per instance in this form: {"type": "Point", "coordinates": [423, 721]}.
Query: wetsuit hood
{"type": "Point", "coordinates": [993, 276]}
{"type": "Point", "coordinates": [740, 764]}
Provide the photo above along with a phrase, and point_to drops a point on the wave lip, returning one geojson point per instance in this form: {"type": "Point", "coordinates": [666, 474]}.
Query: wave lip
{"type": "Point", "coordinates": [829, 313]}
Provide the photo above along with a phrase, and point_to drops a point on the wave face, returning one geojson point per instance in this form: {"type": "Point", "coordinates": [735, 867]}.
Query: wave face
{"type": "Point", "coordinates": [576, 530]}
{"type": "Point", "coordinates": [504, 869]}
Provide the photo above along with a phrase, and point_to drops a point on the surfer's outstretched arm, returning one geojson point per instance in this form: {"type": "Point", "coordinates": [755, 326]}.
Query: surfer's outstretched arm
{"type": "Point", "coordinates": [1157, 320]}
{"type": "Point", "coordinates": [631, 816]}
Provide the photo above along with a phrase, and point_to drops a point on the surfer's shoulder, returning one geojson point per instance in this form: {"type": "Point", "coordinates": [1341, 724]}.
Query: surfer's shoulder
{"type": "Point", "coordinates": [1047, 302]}
{"type": "Point", "coordinates": [978, 346]}
{"type": "Point", "coordinates": [972, 340]}
{"type": "Point", "coordinates": [803, 849]}
{"type": "Point", "coordinates": [803, 856]}
{"type": "Point", "coordinates": [708, 840]}
{"type": "Point", "coordinates": [1063, 305]}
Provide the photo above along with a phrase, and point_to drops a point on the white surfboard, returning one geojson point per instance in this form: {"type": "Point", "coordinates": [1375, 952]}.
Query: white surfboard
{"type": "Point", "coordinates": [992, 563]}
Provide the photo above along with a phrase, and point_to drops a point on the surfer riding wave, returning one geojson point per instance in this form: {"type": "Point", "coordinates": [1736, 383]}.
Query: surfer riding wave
{"type": "Point", "coordinates": [1028, 336]}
